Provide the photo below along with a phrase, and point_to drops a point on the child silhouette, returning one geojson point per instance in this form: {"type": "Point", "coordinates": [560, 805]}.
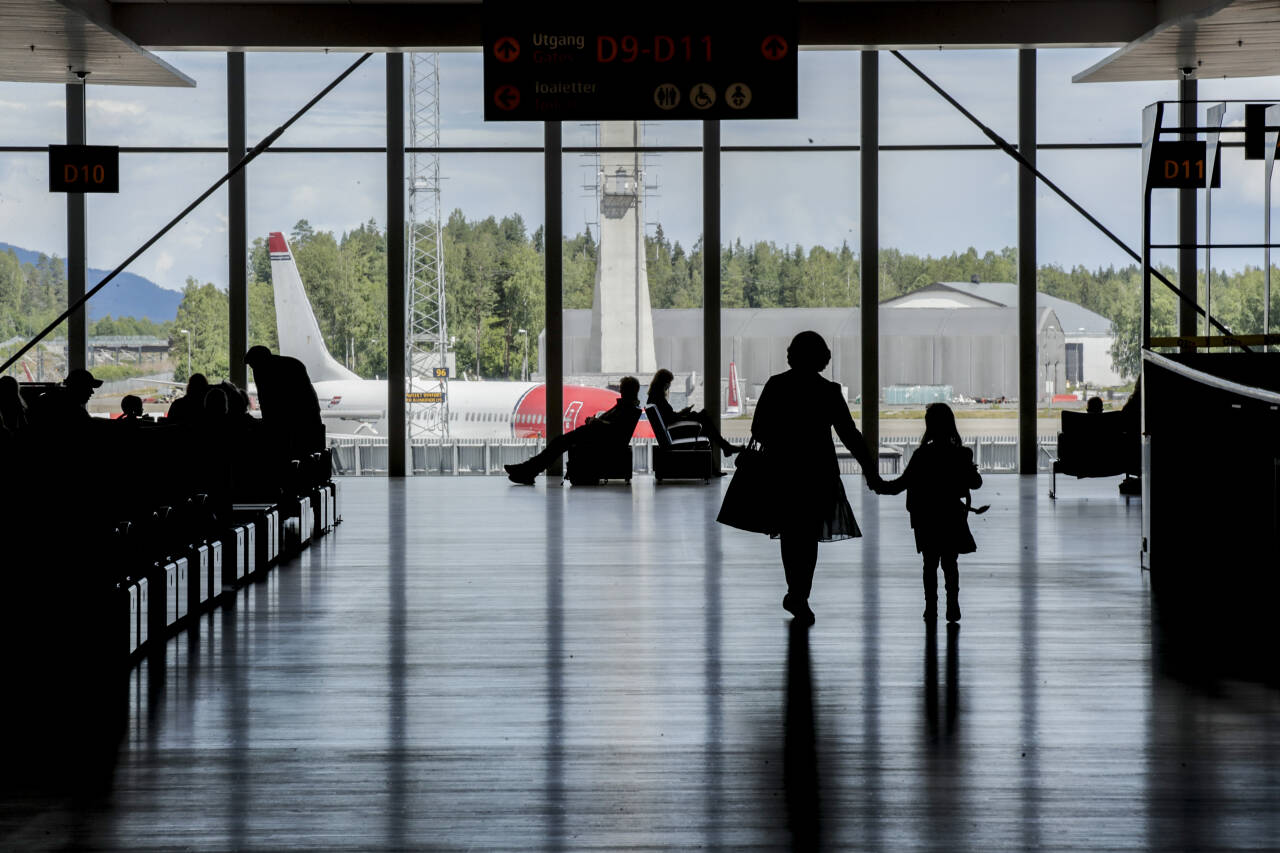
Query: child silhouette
{"type": "Point", "coordinates": [937, 481]}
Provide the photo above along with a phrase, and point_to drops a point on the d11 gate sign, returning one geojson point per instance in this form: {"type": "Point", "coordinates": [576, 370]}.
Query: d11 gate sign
{"type": "Point", "coordinates": [572, 61]}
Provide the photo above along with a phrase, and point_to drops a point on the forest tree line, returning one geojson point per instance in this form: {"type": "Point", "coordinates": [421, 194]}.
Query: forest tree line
{"type": "Point", "coordinates": [493, 283]}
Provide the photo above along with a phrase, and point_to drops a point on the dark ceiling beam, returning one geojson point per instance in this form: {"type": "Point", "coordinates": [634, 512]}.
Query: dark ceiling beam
{"type": "Point", "coordinates": [975, 23]}
{"type": "Point", "coordinates": [300, 26]}
{"type": "Point", "coordinates": [457, 25]}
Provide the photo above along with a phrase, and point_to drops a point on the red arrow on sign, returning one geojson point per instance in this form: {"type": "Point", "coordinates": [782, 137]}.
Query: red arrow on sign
{"type": "Point", "coordinates": [507, 97]}
{"type": "Point", "coordinates": [774, 47]}
{"type": "Point", "coordinates": [506, 49]}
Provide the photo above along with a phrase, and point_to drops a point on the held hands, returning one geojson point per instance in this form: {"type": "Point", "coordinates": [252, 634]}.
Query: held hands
{"type": "Point", "coordinates": [875, 482]}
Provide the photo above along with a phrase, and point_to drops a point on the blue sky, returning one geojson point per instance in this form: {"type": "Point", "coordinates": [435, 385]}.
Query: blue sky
{"type": "Point", "coordinates": [933, 202]}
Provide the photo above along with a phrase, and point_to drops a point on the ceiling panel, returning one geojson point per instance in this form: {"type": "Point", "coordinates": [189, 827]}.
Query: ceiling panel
{"type": "Point", "coordinates": [42, 41]}
{"type": "Point", "coordinates": [1240, 39]}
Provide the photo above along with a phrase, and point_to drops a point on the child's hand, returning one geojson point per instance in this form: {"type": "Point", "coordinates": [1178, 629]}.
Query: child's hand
{"type": "Point", "coordinates": [875, 482]}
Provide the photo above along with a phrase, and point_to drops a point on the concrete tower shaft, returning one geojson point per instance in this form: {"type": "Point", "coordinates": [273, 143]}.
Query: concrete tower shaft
{"type": "Point", "coordinates": [621, 320]}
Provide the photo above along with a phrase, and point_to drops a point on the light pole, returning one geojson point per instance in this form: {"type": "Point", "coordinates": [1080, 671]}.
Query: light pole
{"type": "Point", "coordinates": [524, 366]}
{"type": "Point", "coordinates": [188, 334]}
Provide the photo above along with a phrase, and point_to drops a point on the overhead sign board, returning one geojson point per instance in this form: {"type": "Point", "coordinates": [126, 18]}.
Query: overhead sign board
{"type": "Point", "coordinates": [1181, 165]}
{"type": "Point", "coordinates": [84, 169]}
{"type": "Point", "coordinates": [424, 397]}
{"type": "Point", "coordinates": [547, 61]}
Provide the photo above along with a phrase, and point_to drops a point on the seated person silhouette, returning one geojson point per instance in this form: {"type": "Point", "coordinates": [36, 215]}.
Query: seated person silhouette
{"type": "Point", "coordinates": [13, 409]}
{"type": "Point", "coordinates": [1094, 406]}
{"type": "Point", "coordinates": [65, 404]}
{"type": "Point", "coordinates": [189, 407]}
{"type": "Point", "coordinates": [131, 408]}
{"type": "Point", "coordinates": [613, 427]}
{"type": "Point", "coordinates": [658, 390]}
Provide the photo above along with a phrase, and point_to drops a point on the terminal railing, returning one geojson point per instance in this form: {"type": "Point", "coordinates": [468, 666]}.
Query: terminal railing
{"type": "Point", "coordinates": [357, 456]}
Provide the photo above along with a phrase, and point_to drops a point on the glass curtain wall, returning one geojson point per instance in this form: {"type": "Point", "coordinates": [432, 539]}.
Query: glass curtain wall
{"type": "Point", "coordinates": [790, 230]}
{"type": "Point", "coordinates": [33, 229]}
{"type": "Point", "coordinates": [633, 261]}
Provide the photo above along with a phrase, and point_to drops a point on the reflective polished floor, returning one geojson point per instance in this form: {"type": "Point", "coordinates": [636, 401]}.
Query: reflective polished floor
{"type": "Point", "coordinates": [470, 665]}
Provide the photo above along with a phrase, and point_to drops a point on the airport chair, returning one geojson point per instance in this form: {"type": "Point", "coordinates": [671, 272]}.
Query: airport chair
{"type": "Point", "coordinates": [236, 554]}
{"type": "Point", "coordinates": [200, 564]}
{"type": "Point", "coordinates": [591, 465]}
{"type": "Point", "coordinates": [266, 534]}
{"type": "Point", "coordinates": [127, 613]}
{"type": "Point", "coordinates": [1095, 445]}
{"type": "Point", "coordinates": [214, 579]}
{"type": "Point", "coordinates": [143, 614]}
{"type": "Point", "coordinates": [689, 457]}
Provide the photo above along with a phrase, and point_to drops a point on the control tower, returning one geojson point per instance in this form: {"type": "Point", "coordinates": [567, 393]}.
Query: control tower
{"type": "Point", "coordinates": [621, 321]}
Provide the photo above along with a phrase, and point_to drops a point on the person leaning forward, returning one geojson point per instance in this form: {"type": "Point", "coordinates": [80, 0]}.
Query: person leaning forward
{"type": "Point", "coordinates": [613, 427]}
{"type": "Point", "coordinates": [288, 400]}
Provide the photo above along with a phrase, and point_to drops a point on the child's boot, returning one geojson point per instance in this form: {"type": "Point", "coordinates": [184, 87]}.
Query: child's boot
{"type": "Point", "coordinates": [952, 579]}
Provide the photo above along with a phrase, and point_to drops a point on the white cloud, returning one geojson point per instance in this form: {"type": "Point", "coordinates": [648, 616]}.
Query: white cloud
{"type": "Point", "coordinates": [14, 106]}
{"type": "Point", "coordinates": [164, 263]}
{"type": "Point", "coordinates": [115, 108]}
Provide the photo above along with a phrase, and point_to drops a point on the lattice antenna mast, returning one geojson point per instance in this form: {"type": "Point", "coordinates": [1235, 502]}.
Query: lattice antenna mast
{"type": "Point", "coordinates": [428, 406]}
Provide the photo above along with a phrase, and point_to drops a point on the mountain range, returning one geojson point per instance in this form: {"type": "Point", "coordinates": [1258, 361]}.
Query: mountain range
{"type": "Point", "coordinates": [128, 294]}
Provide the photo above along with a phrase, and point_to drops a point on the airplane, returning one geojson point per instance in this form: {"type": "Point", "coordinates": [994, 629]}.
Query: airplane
{"type": "Point", "coordinates": [477, 409]}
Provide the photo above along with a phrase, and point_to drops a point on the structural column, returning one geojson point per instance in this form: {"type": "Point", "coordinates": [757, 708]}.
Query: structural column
{"type": "Point", "coordinates": [1028, 437]}
{"type": "Point", "coordinates": [396, 349]}
{"type": "Point", "coordinates": [553, 283]}
{"type": "Point", "coordinates": [1187, 278]}
{"type": "Point", "coordinates": [711, 275]}
{"type": "Point", "coordinates": [77, 239]}
{"type": "Point", "coordinates": [237, 221]}
{"type": "Point", "coordinates": [869, 250]}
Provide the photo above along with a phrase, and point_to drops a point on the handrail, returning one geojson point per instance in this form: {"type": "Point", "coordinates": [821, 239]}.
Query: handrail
{"type": "Point", "coordinates": [1260, 394]}
{"type": "Point", "coordinates": [244, 161]}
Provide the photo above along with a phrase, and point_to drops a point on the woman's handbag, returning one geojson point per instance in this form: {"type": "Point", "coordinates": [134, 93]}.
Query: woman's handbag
{"type": "Point", "coordinates": [747, 502]}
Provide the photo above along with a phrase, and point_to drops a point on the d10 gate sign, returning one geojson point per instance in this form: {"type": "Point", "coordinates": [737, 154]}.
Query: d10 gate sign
{"type": "Point", "coordinates": [653, 61]}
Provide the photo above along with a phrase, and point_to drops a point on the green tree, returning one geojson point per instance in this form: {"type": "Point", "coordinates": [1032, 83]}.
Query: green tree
{"type": "Point", "coordinates": [204, 313]}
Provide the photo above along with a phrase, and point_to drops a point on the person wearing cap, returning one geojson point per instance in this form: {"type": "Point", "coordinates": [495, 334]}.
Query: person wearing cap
{"type": "Point", "coordinates": [65, 404]}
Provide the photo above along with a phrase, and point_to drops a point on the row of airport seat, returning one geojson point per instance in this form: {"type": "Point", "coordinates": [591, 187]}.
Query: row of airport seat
{"type": "Point", "coordinates": [184, 560]}
{"type": "Point", "coordinates": [118, 536]}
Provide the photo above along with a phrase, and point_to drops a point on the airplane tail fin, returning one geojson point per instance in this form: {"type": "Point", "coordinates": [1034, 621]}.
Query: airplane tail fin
{"type": "Point", "coordinates": [295, 322]}
{"type": "Point", "coordinates": [734, 404]}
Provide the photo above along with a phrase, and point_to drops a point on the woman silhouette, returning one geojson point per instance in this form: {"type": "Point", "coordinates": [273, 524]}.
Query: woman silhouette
{"type": "Point", "coordinates": [793, 421]}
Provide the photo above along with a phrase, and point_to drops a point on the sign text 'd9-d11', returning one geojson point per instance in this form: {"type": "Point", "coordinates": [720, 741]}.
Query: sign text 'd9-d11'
{"type": "Point", "coordinates": [654, 61]}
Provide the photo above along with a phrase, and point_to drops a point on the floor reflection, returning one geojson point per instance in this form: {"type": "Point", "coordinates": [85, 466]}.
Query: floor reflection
{"type": "Point", "coordinates": [800, 756]}
{"type": "Point", "coordinates": [555, 787]}
{"type": "Point", "coordinates": [397, 710]}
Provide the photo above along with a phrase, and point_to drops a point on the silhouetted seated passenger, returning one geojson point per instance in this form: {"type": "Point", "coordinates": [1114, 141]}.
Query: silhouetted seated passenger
{"type": "Point", "coordinates": [676, 421]}
{"type": "Point", "coordinates": [190, 407]}
{"type": "Point", "coordinates": [65, 405]}
{"type": "Point", "coordinates": [288, 402]}
{"type": "Point", "coordinates": [1094, 406]}
{"type": "Point", "coordinates": [131, 408]}
{"type": "Point", "coordinates": [1100, 444]}
{"type": "Point", "coordinates": [13, 409]}
{"type": "Point", "coordinates": [612, 428]}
